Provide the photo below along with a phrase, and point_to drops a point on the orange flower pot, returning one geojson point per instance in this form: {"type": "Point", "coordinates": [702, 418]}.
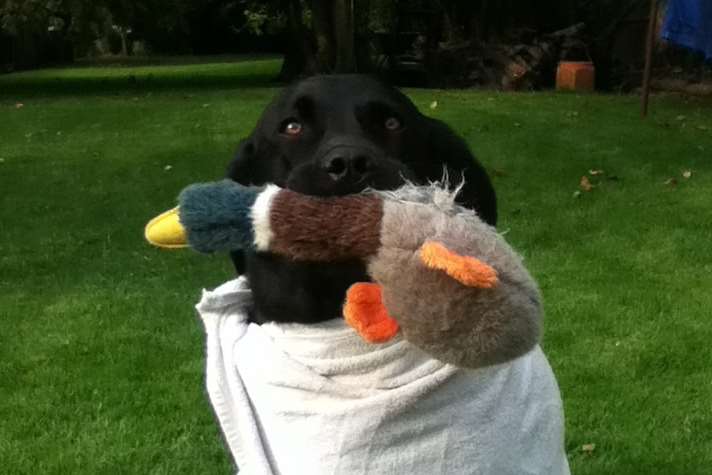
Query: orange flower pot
{"type": "Point", "coordinates": [575, 76]}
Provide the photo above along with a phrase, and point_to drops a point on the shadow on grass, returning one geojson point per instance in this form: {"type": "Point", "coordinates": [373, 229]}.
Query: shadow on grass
{"type": "Point", "coordinates": [135, 79]}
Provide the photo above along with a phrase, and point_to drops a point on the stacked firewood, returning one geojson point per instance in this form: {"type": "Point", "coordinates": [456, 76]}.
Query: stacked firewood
{"type": "Point", "coordinates": [523, 60]}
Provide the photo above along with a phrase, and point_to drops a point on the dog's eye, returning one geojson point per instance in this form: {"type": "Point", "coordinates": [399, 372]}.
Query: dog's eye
{"type": "Point", "coordinates": [392, 123]}
{"type": "Point", "coordinates": [292, 127]}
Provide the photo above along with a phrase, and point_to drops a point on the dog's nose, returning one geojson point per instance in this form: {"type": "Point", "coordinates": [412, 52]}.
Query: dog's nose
{"type": "Point", "coordinates": [347, 163]}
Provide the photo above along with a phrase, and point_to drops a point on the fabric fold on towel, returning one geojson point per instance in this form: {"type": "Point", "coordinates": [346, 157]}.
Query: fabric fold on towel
{"type": "Point", "coordinates": [317, 399]}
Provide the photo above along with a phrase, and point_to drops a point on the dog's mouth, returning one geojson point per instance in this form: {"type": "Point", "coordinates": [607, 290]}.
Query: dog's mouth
{"type": "Point", "coordinates": [347, 164]}
{"type": "Point", "coordinates": [312, 179]}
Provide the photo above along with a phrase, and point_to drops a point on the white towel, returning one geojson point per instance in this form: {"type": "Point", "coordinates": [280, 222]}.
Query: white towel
{"type": "Point", "coordinates": [316, 399]}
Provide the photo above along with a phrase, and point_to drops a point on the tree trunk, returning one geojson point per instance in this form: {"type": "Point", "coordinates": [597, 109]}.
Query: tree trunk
{"type": "Point", "coordinates": [26, 53]}
{"type": "Point", "coordinates": [299, 56]}
{"type": "Point", "coordinates": [453, 32]}
{"type": "Point", "coordinates": [485, 25]}
{"type": "Point", "coordinates": [332, 48]}
{"type": "Point", "coordinates": [322, 23]}
{"type": "Point", "coordinates": [344, 35]}
{"type": "Point", "coordinates": [124, 45]}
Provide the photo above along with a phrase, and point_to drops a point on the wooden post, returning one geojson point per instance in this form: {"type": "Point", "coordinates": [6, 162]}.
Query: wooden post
{"type": "Point", "coordinates": [649, 45]}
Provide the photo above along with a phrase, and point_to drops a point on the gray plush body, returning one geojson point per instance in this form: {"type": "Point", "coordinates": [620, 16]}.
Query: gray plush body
{"type": "Point", "coordinates": [465, 326]}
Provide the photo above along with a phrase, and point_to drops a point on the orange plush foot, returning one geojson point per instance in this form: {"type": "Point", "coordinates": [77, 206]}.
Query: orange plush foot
{"type": "Point", "coordinates": [466, 270]}
{"type": "Point", "coordinates": [365, 312]}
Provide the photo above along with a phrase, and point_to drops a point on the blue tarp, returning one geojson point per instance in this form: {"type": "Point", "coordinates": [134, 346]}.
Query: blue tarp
{"type": "Point", "coordinates": [689, 23]}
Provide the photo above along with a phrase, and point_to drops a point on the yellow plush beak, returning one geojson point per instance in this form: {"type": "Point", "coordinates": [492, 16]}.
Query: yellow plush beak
{"type": "Point", "coordinates": [166, 231]}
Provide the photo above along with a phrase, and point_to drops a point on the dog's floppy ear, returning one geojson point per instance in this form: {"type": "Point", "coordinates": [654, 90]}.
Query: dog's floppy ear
{"type": "Point", "coordinates": [478, 192]}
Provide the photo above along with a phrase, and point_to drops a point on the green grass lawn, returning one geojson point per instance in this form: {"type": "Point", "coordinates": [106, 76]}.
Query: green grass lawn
{"type": "Point", "coordinates": [101, 353]}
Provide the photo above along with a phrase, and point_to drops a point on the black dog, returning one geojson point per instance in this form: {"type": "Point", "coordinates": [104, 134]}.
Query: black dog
{"type": "Point", "coordinates": [335, 135]}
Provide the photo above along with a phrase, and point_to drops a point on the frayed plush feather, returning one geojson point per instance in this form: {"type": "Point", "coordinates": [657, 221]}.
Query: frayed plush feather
{"type": "Point", "coordinates": [439, 194]}
{"type": "Point", "coordinates": [216, 216]}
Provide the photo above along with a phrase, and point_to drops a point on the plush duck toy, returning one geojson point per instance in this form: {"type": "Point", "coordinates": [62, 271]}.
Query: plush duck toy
{"type": "Point", "coordinates": [441, 276]}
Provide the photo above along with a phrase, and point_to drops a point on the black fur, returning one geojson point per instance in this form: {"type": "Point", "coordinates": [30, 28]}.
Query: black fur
{"type": "Point", "coordinates": [344, 146]}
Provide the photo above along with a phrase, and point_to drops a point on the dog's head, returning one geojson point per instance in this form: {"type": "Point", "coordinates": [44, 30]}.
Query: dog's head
{"type": "Point", "coordinates": [335, 135]}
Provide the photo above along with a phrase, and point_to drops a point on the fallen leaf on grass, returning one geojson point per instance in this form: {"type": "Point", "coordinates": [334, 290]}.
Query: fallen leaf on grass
{"type": "Point", "coordinates": [168, 167]}
{"type": "Point", "coordinates": [19, 105]}
{"type": "Point", "coordinates": [686, 174]}
{"type": "Point", "coordinates": [434, 104]}
{"type": "Point", "coordinates": [577, 193]}
{"type": "Point", "coordinates": [585, 184]}
{"type": "Point", "coordinates": [671, 181]}
{"type": "Point", "coordinates": [588, 448]}
{"type": "Point", "coordinates": [595, 172]}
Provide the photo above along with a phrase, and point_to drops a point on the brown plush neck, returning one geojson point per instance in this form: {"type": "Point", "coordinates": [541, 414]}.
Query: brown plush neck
{"type": "Point", "coordinates": [325, 229]}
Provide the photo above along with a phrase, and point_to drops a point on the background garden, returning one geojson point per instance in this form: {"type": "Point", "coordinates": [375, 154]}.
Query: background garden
{"type": "Point", "coordinates": [102, 354]}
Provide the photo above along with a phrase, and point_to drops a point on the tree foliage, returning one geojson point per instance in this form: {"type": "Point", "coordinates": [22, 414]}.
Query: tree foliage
{"type": "Point", "coordinates": [315, 35]}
